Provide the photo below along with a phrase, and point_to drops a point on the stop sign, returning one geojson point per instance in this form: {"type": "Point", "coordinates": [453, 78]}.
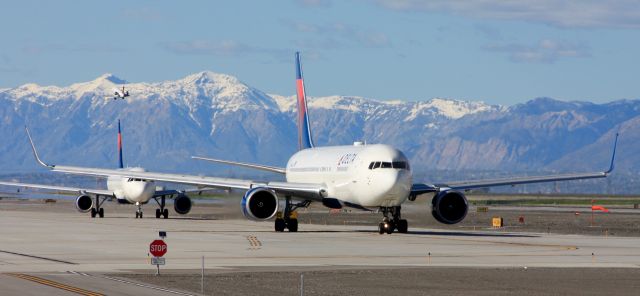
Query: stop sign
{"type": "Point", "coordinates": [158, 248]}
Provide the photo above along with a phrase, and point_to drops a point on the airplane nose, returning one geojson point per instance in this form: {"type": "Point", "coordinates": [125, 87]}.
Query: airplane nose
{"type": "Point", "coordinates": [389, 187]}
{"type": "Point", "coordinates": [402, 178]}
{"type": "Point", "coordinates": [396, 183]}
{"type": "Point", "coordinates": [135, 191]}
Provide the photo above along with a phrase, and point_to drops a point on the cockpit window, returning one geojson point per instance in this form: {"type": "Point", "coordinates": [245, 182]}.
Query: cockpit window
{"type": "Point", "coordinates": [401, 165]}
{"type": "Point", "coordinates": [136, 180]}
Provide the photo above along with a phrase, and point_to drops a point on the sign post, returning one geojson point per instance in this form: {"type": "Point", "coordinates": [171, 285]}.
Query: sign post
{"type": "Point", "coordinates": [158, 248]}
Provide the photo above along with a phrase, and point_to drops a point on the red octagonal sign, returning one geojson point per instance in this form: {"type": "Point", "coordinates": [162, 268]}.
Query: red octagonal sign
{"type": "Point", "coordinates": [158, 248]}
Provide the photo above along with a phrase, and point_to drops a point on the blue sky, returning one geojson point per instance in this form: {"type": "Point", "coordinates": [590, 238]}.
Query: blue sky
{"type": "Point", "coordinates": [497, 51]}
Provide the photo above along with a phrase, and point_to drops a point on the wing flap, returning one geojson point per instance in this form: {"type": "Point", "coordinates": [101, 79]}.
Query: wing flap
{"type": "Point", "coordinates": [59, 188]}
{"type": "Point", "coordinates": [465, 185]}
{"type": "Point", "coordinates": [305, 191]}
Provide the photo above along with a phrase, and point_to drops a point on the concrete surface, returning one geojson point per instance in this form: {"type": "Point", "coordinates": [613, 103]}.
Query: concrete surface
{"type": "Point", "coordinates": [56, 243]}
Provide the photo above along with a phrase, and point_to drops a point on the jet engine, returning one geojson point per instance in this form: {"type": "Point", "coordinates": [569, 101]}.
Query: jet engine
{"type": "Point", "coordinates": [84, 203]}
{"type": "Point", "coordinates": [259, 204]}
{"type": "Point", "coordinates": [182, 204]}
{"type": "Point", "coordinates": [449, 207]}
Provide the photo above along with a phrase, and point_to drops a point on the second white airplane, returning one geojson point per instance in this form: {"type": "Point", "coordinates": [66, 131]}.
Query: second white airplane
{"type": "Point", "coordinates": [126, 190]}
{"type": "Point", "coordinates": [358, 176]}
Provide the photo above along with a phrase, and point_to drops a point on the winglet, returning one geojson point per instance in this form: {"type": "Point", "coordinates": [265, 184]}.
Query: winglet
{"type": "Point", "coordinates": [613, 156]}
{"type": "Point", "coordinates": [35, 152]}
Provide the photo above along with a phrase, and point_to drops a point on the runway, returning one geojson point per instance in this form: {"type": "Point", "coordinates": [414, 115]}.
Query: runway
{"type": "Point", "coordinates": [49, 248]}
{"type": "Point", "coordinates": [54, 241]}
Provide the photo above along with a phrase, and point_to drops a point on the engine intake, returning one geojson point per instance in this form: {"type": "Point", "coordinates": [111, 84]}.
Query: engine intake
{"type": "Point", "coordinates": [182, 204]}
{"type": "Point", "coordinates": [449, 207]}
{"type": "Point", "coordinates": [84, 203]}
{"type": "Point", "coordinates": [259, 204]}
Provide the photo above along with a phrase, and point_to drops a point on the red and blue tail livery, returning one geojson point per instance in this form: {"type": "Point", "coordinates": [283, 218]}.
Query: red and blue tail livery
{"type": "Point", "coordinates": [304, 131]}
{"type": "Point", "coordinates": [121, 165]}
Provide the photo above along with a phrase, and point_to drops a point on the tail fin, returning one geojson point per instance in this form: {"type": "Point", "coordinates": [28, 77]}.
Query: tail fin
{"type": "Point", "coordinates": [304, 130]}
{"type": "Point", "coordinates": [120, 146]}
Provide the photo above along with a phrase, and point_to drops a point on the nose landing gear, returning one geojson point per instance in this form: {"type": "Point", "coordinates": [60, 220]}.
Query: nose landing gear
{"type": "Point", "coordinates": [388, 225]}
{"type": "Point", "coordinates": [139, 210]}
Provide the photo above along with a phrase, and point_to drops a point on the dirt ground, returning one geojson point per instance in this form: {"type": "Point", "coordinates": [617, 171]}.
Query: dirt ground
{"type": "Point", "coordinates": [407, 281]}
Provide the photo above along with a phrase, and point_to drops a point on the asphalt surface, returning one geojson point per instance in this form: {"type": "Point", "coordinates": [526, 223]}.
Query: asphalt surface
{"type": "Point", "coordinates": [49, 246]}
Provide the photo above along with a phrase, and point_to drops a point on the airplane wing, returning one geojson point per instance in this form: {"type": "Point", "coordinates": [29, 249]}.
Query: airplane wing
{"type": "Point", "coordinates": [418, 189]}
{"type": "Point", "coordinates": [315, 192]}
{"type": "Point", "coordinates": [244, 164]}
{"type": "Point", "coordinates": [60, 188]}
{"type": "Point", "coordinates": [171, 192]}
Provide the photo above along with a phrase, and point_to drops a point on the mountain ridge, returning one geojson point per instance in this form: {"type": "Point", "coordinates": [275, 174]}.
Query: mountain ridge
{"type": "Point", "coordinates": [217, 115]}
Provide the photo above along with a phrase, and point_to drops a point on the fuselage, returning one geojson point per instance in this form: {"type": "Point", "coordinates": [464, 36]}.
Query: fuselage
{"type": "Point", "coordinates": [133, 190]}
{"type": "Point", "coordinates": [366, 175]}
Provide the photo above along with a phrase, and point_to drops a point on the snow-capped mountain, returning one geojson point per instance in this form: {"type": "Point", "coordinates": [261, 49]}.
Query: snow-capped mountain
{"type": "Point", "coordinates": [210, 114]}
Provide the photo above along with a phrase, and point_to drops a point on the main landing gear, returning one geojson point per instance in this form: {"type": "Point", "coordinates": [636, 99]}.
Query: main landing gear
{"type": "Point", "coordinates": [139, 210]}
{"type": "Point", "coordinates": [97, 210]}
{"type": "Point", "coordinates": [162, 211]}
{"type": "Point", "coordinates": [388, 225]}
{"type": "Point", "coordinates": [290, 218]}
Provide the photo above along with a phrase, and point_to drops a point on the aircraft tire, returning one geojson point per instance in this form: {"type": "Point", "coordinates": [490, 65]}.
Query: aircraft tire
{"type": "Point", "coordinates": [389, 227]}
{"type": "Point", "coordinates": [293, 225]}
{"type": "Point", "coordinates": [403, 226]}
{"type": "Point", "coordinates": [381, 228]}
{"type": "Point", "coordinates": [158, 214]}
{"type": "Point", "coordinates": [101, 212]}
{"type": "Point", "coordinates": [280, 225]}
{"type": "Point", "coordinates": [93, 212]}
{"type": "Point", "coordinates": [165, 213]}
{"type": "Point", "coordinates": [137, 215]}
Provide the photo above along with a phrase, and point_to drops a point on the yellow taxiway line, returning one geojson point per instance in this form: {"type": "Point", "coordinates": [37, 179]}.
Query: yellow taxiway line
{"type": "Point", "coordinates": [54, 284]}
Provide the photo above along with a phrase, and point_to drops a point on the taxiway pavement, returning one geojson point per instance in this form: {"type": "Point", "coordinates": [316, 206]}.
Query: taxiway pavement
{"type": "Point", "coordinates": [58, 241]}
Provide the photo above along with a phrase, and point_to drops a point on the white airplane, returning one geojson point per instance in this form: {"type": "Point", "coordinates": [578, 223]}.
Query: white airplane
{"type": "Point", "coordinates": [359, 176]}
{"type": "Point", "coordinates": [119, 94]}
{"type": "Point", "coordinates": [126, 190]}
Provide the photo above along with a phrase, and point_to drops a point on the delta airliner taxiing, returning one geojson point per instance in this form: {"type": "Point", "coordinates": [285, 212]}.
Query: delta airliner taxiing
{"type": "Point", "coordinates": [358, 176]}
{"type": "Point", "coordinates": [126, 190]}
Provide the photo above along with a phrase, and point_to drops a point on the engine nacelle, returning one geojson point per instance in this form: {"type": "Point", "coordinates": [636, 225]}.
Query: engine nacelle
{"type": "Point", "coordinates": [259, 204]}
{"type": "Point", "coordinates": [449, 207]}
{"type": "Point", "coordinates": [84, 203]}
{"type": "Point", "coordinates": [182, 204]}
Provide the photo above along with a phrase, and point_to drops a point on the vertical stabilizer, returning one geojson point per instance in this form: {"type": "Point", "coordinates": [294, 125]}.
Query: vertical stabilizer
{"type": "Point", "coordinates": [304, 130]}
{"type": "Point", "coordinates": [121, 165]}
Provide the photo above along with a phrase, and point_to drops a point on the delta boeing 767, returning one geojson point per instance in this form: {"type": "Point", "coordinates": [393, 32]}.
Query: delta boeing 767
{"type": "Point", "coordinates": [360, 176]}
